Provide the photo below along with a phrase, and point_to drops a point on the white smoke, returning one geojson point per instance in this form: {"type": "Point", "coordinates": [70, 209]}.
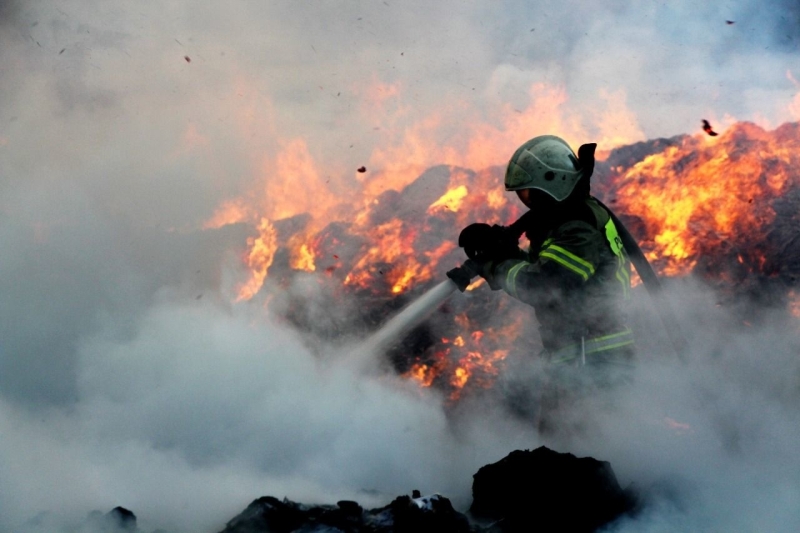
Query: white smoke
{"type": "Point", "coordinates": [711, 441]}
{"type": "Point", "coordinates": [126, 376]}
{"type": "Point", "coordinates": [202, 410]}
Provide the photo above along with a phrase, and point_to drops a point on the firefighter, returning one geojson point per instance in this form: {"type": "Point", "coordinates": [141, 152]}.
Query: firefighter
{"type": "Point", "coordinates": [576, 273]}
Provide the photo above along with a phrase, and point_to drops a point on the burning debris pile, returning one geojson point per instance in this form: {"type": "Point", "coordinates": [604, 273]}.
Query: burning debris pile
{"type": "Point", "coordinates": [722, 208]}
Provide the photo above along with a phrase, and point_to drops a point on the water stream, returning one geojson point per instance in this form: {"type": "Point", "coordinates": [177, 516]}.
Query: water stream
{"type": "Point", "coordinates": [409, 317]}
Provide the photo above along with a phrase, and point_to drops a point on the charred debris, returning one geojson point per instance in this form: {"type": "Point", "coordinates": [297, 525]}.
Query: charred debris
{"type": "Point", "coordinates": [528, 490]}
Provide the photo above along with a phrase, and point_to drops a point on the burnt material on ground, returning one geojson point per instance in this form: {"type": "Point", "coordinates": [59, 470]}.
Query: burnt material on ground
{"type": "Point", "coordinates": [540, 490]}
{"type": "Point", "coordinates": [117, 520]}
{"type": "Point", "coordinates": [433, 514]}
{"type": "Point", "coordinates": [543, 490]}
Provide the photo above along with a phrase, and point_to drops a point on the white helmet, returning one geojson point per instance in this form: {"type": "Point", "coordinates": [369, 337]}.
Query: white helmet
{"type": "Point", "coordinates": [546, 163]}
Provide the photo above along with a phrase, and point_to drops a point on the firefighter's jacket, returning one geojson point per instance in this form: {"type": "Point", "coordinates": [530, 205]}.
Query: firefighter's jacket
{"type": "Point", "coordinates": [575, 275]}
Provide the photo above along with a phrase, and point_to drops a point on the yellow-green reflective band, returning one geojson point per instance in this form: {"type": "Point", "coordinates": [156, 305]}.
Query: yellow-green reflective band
{"type": "Point", "coordinates": [577, 353]}
{"type": "Point", "coordinates": [612, 346]}
{"type": "Point", "coordinates": [511, 278]}
{"type": "Point", "coordinates": [625, 274]}
{"type": "Point", "coordinates": [624, 332]}
{"type": "Point", "coordinates": [613, 238]}
{"type": "Point", "coordinates": [583, 262]}
{"type": "Point", "coordinates": [595, 345]}
{"type": "Point", "coordinates": [615, 243]}
{"type": "Point", "coordinates": [580, 266]}
{"type": "Point", "coordinates": [566, 263]}
{"type": "Point", "coordinates": [625, 293]}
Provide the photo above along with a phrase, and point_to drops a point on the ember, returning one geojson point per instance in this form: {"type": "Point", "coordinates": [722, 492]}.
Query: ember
{"type": "Point", "coordinates": [708, 129]}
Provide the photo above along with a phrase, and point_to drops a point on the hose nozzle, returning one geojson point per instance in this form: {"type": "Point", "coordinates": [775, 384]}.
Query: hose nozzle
{"type": "Point", "coordinates": [462, 276]}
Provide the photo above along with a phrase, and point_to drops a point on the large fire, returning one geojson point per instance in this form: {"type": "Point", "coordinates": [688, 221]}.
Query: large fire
{"type": "Point", "coordinates": [698, 204]}
{"type": "Point", "coordinates": [705, 193]}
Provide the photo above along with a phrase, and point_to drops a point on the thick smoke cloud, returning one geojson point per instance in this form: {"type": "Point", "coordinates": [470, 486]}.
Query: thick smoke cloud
{"type": "Point", "coordinates": [711, 440]}
{"type": "Point", "coordinates": [202, 410]}
{"type": "Point", "coordinates": [127, 376]}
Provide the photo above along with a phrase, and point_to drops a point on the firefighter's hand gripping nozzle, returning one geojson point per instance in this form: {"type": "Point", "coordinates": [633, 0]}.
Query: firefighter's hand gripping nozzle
{"type": "Point", "coordinates": [462, 276]}
{"type": "Point", "coordinates": [483, 244]}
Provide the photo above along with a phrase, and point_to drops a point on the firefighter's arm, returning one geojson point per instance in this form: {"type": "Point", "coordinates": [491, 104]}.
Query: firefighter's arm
{"type": "Point", "coordinates": [530, 282]}
{"type": "Point", "coordinates": [565, 261]}
{"type": "Point", "coordinates": [486, 246]}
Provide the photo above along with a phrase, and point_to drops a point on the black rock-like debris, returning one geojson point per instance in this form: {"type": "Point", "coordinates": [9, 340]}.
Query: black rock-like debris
{"type": "Point", "coordinates": [540, 490]}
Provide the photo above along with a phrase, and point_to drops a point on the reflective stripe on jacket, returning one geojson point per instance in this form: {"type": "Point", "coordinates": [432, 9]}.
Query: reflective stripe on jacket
{"type": "Point", "coordinates": [575, 280]}
{"type": "Point", "coordinates": [580, 352]}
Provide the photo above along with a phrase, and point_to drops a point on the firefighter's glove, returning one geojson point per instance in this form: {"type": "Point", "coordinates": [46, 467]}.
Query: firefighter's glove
{"type": "Point", "coordinates": [484, 243]}
{"type": "Point", "coordinates": [462, 276]}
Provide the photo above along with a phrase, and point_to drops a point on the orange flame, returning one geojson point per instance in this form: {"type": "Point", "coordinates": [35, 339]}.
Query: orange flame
{"type": "Point", "coordinates": [262, 253]}
{"type": "Point", "coordinates": [291, 182]}
{"type": "Point", "coordinates": [496, 199]}
{"type": "Point", "coordinates": [450, 201]}
{"type": "Point", "coordinates": [700, 193]}
{"type": "Point", "coordinates": [480, 363]}
{"type": "Point", "coordinates": [423, 374]}
{"type": "Point", "coordinates": [460, 377]}
{"type": "Point", "coordinates": [230, 212]}
{"type": "Point", "coordinates": [393, 245]}
{"type": "Point", "coordinates": [302, 258]}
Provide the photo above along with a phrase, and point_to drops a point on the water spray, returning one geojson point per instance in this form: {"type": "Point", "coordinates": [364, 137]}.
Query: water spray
{"type": "Point", "coordinates": [418, 311]}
